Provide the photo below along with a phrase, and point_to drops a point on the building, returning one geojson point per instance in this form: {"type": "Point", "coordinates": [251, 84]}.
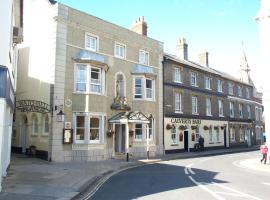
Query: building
{"type": "Point", "coordinates": [201, 101]}
{"type": "Point", "coordinates": [89, 90]}
{"type": "Point", "coordinates": [263, 19]}
{"type": "Point", "coordinates": [10, 36]}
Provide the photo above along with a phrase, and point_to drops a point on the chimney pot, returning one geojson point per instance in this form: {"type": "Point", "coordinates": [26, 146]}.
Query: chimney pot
{"type": "Point", "coordinates": [140, 26]}
{"type": "Point", "coordinates": [203, 58]}
{"type": "Point", "coordinates": [182, 48]}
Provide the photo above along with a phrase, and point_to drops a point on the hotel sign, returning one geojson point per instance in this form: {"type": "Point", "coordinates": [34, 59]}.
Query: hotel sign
{"type": "Point", "coordinates": [185, 121]}
{"type": "Point", "coordinates": [32, 106]}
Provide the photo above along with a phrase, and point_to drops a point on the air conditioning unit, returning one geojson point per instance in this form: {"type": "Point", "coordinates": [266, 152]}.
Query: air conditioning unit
{"type": "Point", "coordinates": [17, 34]}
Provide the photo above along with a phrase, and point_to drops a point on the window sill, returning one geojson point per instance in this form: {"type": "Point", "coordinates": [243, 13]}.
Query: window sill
{"type": "Point", "coordinates": [174, 145]}
{"type": "Point", "coordinates": [221, 116]}
{"type": "Point", "coordinates": [195, 86]}
{"type": "Point", "coordinates": [209, 115]}
{"type": "Point", "coordinates": [85, 93]}
{"type": "Point", "coordinates": [195, 113]}
{"type": "Point", "coordinates": [178, 112]}
{"type": "Point", "coordinates": [119, 57]}
{"type": "Point", "coordinates": [178, 82]}
{"type": "Point", "coordinates": [211, 143]}
{"type": "Point", "coordinates": [208, 88]}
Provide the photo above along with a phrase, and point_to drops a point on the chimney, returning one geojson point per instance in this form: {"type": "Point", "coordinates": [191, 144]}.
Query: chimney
{"type": "Point", "coordinates": [203, 58]}
{"type": "Point", "coordinates": [182, 48]}
{"type": "Point", "coordinates": [140, 26]}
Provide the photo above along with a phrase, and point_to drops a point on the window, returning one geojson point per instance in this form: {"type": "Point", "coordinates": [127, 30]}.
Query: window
{"type": "Point", "coordinates": [194, 79]}
{"type": "Point", "coordinates": [89, 128]}
{"type": "Point", "coordinates": [174, 135]}
{"type": "Point", "coordinates": [232, 134]}
{"type": "Point", "coordinates": [177, 75]}
{"type": "Point", "coordinates": [94, 128]}
{"type": "Point", "coordinates": [239, 90]}
{"type": "Point", "coordinates": [207, 83]}
{"type": "Point", "coordinates": [211, 139]}
{"type": "Point", "coordinates": [138, 88]}
{"type": "Point", "coordinates": [138, 131]}
{"type": "Point", "coordinates": [230, 88]}
{"type": "Point", "coordinates": [249, 111]}
{"type": "Point", "coordinates": [144, 88]}
{"type": "Point", "coordinates": [120, 50]}
{"type": "Point", "coordinates": [143, 57]}
{"type": "Point", "coordinates": [242, 135]}
{"type": "Point", "coordinates": [178, 106]}
{"type": "Point", "coordinates": [80, 128]}
{"type": "Point", "coordinates": [220, 86]}
{"type": "Point", "coordinates": [220, 108]}
{"type": "Point", "coordinates": [46, 124]}
{"type": "Point", "coordinates": [151, 129]}
{"type": "Point", "coordinates": [260, 114]}
{"type": "Point", "coordinates": [231, 109]}
{"type": "Point", "coordinates": [34, 125]}
{"type": "Point", "coordinates": [194, 105]}
{"type": "Point", "coordinates": [89, 79]}
{"type": "Point", "coordinates": [91, 42]}
{"type": "Point", "coordinates": [95, 81]}
{"type": "Point", "coordinates": [256, 113]}
{"type": "Point", "coordinates": [149, 89]}
{"type": "Point", "coordinates": [241, 110]}
{"type": "Point", "coordinates": [247, 93]}
{"type": "Point", "coordinates": [208, 106]}
{"type": "Point", "coordinates": [217, 135]}
{"type": "Point", "coordinates": [81, 78]}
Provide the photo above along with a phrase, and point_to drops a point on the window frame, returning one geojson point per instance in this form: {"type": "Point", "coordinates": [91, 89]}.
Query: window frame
{"type": "Point", "coordinates": [194, 109]}
{"type": "Point", "coordinates": [208, 105]}
{"type": "Point", "coordinates": [96, 49]}
{"type": "Point", "coordinates": [240, 92]}
{"type": "Point", "coordinates": [145, 60]}
{"type": "Point", "coordinates": [174, 132]}
{"type": "Point", "coordinates": [230, 88]}
{"type": "Point", "coordinates": [143, 88]}
{"type": "Point", "coordinates": [220, 85]}
{"type": "Point", "coordinates": [174, 77]}
{"type": "Point", "coordinates": [118, 44]}
{"type": "Point", "coordinates": [179, 94]}
{"type": "Point", "coordinates": [240, 108]}
{"type": "Point", "coordinates": [220, 108]}
{"type": "Point", "coordinates": [147, 89]}
{"type": "Point", "coordinates": [135, 128]}
{"type": "Point", "coordinates": [207, 83]}
{"type": "Point", "coordinates": [249, 111]}
{"type": "Point", "coordinates": [193, 75]}
{"type": "Point", "coordinates": [231, 109]}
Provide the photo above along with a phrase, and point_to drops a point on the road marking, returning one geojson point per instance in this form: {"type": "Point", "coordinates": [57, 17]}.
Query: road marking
{"type": "Point", "coordinates": [236, 191]}
{"type": "Point", "coordinates": [266, 184]}
{"type": "Point", "coordinates": [216, 196]}
{"type": "Point", "coordinates": [188, 169]}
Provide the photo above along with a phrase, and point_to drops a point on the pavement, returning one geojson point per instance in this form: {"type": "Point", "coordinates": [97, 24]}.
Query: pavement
{"type": "Point", "coordinates": [35, 179]}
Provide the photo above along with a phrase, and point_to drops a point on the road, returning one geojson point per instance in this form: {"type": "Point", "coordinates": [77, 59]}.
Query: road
{"type": "Point", "coordinates": [206, 178]}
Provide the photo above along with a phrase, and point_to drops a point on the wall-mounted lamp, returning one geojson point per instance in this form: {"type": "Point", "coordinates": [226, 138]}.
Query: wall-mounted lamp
{"type": "Point", "coordinates": [60, 116]}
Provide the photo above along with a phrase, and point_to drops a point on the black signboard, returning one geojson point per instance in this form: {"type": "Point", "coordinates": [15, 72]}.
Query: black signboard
{"type": "Point", "coordinates": [32, 106]}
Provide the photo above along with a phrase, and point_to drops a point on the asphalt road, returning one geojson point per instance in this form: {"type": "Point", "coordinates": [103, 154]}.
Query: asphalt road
{"type": "Point", "coordinates": [216, 177]}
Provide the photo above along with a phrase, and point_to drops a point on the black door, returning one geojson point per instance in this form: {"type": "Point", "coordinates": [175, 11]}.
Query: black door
{"type": "Point", "coordinates": [186, 140]}
{"type": "Point", "coordinates": [225, 137]}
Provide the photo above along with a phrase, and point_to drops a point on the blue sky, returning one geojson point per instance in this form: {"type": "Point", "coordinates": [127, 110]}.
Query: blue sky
{"type": "Point", "coordinates": [219, 26]}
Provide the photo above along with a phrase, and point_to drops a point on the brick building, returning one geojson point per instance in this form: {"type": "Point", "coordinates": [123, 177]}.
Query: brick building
{"type": "Point", "coordinates": [201, 101]}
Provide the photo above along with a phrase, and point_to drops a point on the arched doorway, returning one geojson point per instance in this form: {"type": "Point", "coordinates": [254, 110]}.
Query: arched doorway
{"type": "Point", "coordinates": [23, 133]}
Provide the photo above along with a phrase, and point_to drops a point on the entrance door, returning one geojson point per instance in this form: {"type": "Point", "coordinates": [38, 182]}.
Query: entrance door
{"type": "Point", "coordinates": [225, 137]}
{"type": "Point", "coordinates": [120, 138]}
{"type": "Point", "coordinates": [24, 134]}
{"type": "Point", "coordinates": [186, 140]}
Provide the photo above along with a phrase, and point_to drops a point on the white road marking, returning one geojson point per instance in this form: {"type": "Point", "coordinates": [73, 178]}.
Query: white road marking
{"type": "Point", "coordinates": [216, 196]}
{"type": "Point", "coordinates": [191, 171]}
{"type": "Point", "coordinates": [186, 171]}
{"type": "Point", "coordinates": [236, 191]}
{"type": "Point", "coordinates": [266, 184]}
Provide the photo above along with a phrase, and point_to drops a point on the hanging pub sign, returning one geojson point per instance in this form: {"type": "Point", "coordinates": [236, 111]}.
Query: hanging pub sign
{"type": "Point", "coordinates": [67, 136]}
{"type": "Point", "coordinates": [32, 106]}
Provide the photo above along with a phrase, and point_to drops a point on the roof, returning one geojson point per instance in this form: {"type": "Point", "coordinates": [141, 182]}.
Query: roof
{"type": "Point", "coordinates": [129, 117]}
{"type": "Point", "coordinates": [203, 68]}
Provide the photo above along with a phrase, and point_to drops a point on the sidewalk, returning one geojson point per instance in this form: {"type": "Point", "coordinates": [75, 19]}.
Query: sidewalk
{"type": "Point", "coordinates": [35, 179]}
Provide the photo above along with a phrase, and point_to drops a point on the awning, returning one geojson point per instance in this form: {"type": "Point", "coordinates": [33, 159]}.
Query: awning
{"type": "Point", "coordinates": [129, 117]}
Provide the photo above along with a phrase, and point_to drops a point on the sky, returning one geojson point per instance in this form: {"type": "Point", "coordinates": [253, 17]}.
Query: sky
{"type": "Point", "coordinates": [218, 26]}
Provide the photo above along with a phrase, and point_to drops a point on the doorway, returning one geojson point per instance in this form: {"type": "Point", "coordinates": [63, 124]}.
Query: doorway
{"type": "Point", "coordinates": [225, 137]}
{"type": "Point", "coordinates": [24, 133]}
{"type": "Point", "coordinates": [120, 138]}
{"type": "Point", "coordinates": [186, 140]}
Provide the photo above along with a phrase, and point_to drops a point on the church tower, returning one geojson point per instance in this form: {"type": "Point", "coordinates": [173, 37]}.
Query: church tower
{"type": "Point", "coordinates": [244, 69]}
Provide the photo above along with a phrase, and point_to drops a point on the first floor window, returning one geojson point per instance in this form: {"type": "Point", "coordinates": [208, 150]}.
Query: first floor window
{"type": "Point", "coordinates": [220, 86]}
{"type": "Point", "coordinates": [207, 83]}
{"type": "Point", "coordinates": [174, 135]}
{"type": "Point", "coordinates": [208, 106]}
{"type": "Point", "coordinates": [177, 75]}
{"type": "Point", "coordinates": [80, 128]}
{"type": "Point", "coordinates": [138, 131]}
{"type": "Point", "coordinates": [144, 88]}
{"type": "Point", "coordinates": [95, 80]}
{"type": "Point", "coordinates": [220, 107]}
{"type": "Point", "coordinates": [138, 88]}
{"type": "Point", "coordinates": [194, 105]}
{"type": "Point", "coordinates": [94, 128]}
{"type": "Point", "coordinates": [149, 88]}
{"type": "Point", "coordinates": [241, 110]}
{"type": "Point", "coordinates": [193, 79]}
{"type": "Point", "coordinates": [210, 134]}
{"type": "Point", "coordinates": [232, 134]}
{"type": "Point", "coordinates": [120, 50]}
{"type": "Point", "coordinates": [143, 57]}
{"type": "Point", "coordinates": [231, 109]}
{"type": "Point", "coordinates": [178, 102]}
{"type": "Point", "coordinates": [249, 111]}
{"type": "Point", "coordinates": [230, 85]}
{"type": "Point", "coordinates": [81, 77]}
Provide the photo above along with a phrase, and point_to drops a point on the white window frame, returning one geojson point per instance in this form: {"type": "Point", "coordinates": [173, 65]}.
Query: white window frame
{"type": "Point", "coordinates": [76, 67]}
{"type": "Point", "coordinates": [152, 129]}
{"type": "Point", "coordinates": [241, 114]}
{"type": "Point", "coordinates": [177, 75]}
{"type": "Point", "coordinates": [240, 93]}
{"type": "Point", "coordinates": [138, 139]}
{"type": "Point", "coordinates": [119, 45]}
{"type": "Point", "coordinates": [102, 76]}
{"type": "Point", "coordinates": [143, 88]}
{"type": "Point", "coordinates": [143, 57]}
{"type": "Point", "coordinates": [230, 88]}
{"type": "Point", "coordinates": [194, 105]}
{"type": "Point", "coordinates": [149, 89]}
{"type": "Point", "coordinates": [220, 108]}
{"type": "Point", "coordinates": [96, 39]}
{"type": "Point", "coordinates": [231, 109]}
{"type": "Point", "coordinates": [220, 85]}
{"type": "Point", "coordinates": [208, 106]}
{"type": "Point", "coordinates": [249, 111]}
{"type": "Point", "coordinates": [174, 133]}
{"type": "Point", "coordinates": [178, 102]}
{"type": "Point", "coordinates": [207, 82]}
{"type": "Point", "coordinates": [87, 117]}
{"type": "Point", "coordinates": [193, 76]}
{"type": "Point", "coordinates": [94, 83]}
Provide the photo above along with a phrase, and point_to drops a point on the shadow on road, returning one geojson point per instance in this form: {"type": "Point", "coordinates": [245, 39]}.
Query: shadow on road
{"type": "Point", "coordinates": [150, 179]}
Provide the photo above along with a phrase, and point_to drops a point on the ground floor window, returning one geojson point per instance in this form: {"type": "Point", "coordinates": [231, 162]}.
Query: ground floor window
{"type": "Point", "coordinates": [138, 131]}
{"type": "Point", "coordinates": [174, 135]}
{"type": "Point", "coordinates": [217, 135]}
{"type": "Point", "coordinates": [89, 128]}
{"type": "Point", "coordinates": [232, 134]}
{"type": "Point", "coordinates": [242, 135]}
